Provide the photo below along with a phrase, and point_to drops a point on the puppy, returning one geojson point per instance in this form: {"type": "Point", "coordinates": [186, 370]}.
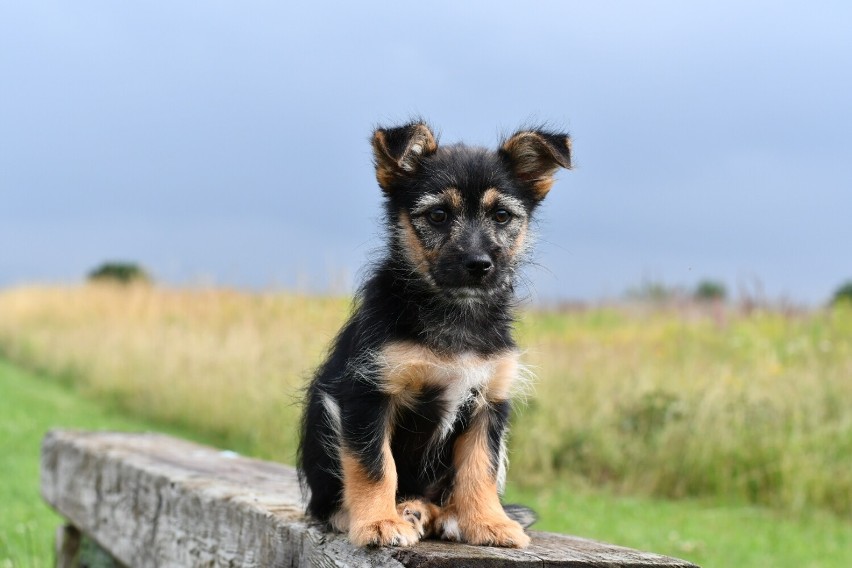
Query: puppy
{"type": "Point", "coordinates": [404, 425]}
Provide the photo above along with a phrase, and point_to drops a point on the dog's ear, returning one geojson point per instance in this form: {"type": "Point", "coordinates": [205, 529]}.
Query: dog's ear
{"type": "Point", "coordinates": [398, 151]}
{"type": "Point", "coordinates": [535, 155]}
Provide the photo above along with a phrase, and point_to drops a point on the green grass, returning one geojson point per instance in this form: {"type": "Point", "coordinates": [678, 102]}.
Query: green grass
{"type": "Point", "coordinates": [707, 533]}
{"type": "Point", "coordinates": [29, 407]}
{"type": "Point", "coordinates": [703, 532]}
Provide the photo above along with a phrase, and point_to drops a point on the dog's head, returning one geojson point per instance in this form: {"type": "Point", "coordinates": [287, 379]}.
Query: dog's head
{"type": "Point", "coordinates": [460, 215]}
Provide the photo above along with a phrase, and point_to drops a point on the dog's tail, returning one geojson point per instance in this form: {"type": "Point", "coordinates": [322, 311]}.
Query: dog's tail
{"type": "Point", "coordinates": [523, 515]}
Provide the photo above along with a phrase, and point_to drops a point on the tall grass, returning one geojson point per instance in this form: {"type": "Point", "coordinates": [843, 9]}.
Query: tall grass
{"type": "Point", "coordinates": [673, 402]}
{"type": "Point", "coordinates": [227, 363]}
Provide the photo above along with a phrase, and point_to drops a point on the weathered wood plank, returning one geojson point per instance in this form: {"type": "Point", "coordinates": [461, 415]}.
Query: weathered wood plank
{"type": "Point", "coordinates": [155, 501]}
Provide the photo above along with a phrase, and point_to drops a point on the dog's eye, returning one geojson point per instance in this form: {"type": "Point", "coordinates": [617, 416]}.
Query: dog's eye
{"type": "Point", "coordinates": [438, 216]}
{"type": "Point", "coordinates": [501, 216]}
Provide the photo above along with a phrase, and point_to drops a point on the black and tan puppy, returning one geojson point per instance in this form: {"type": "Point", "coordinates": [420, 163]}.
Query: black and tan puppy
{"type": "Point", "coordinates": [403, 434]}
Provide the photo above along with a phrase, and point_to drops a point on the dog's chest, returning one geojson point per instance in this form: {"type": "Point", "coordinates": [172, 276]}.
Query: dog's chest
{"type": "Point", "coordinates": [454, 381]}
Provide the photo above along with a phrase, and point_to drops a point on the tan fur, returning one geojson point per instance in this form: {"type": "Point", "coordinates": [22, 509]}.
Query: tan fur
{"type": "Point", "coordinates": [520, 241]}
{"type": "Point", "coordinates": [408, 367]}
{"type": "Point", "coordinates": [385, 168]}
{"type": "Point", "coordinates": [489, 198]}
{"type": "Point", "coordinates": [505, 373]}
{"type": "Point", "coordinates": [475, 504]}
{"type": "Point", "coordinates": [388, 167]}
{"type": "Point", "coordinates": [542, 186]}
{"type": "Point", "coordinates": [418, 255]}
{"type": "Point", "coordinates": [419, 514]}
{"type": "Point", "coordinates": [454, 198]}
{"type": "Point", "coordinates": [422, 143]}
{"type": "Point", "coordinates": [535, 161]}
{"type": "Point", "coordinates": [370, 505]}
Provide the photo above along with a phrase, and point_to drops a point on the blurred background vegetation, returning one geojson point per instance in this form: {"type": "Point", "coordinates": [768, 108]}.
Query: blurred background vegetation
{"type": "Point", "coordinates": [673, 394]}
{"type": "Point", "coordinates": [119, 272]}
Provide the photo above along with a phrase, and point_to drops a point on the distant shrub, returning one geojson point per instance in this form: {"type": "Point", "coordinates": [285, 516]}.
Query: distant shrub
{"type": "Point", "coordinates": [843, 294]}
{"type": "Point", "coordinates": [119, 272]}
{"type": "Point", "coordinates": [709, 291]}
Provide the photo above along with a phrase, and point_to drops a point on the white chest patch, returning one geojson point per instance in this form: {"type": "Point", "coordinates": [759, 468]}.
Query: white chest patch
{"type": "Point", "coordinates": [467, 380]}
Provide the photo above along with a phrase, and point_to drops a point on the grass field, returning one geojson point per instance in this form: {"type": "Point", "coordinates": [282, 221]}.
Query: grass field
{"type": "Point", "coordinates": [709, 534]}
{"type": "Point", "coordinates": [713, 407]}
{"type": "Point", "coordinates": [678, 402]}
{"type": "Point", "coordinates": [29, 406]}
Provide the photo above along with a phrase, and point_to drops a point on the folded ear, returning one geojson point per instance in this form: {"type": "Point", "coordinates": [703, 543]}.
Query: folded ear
{"type": "Point", "coordinates": [535, 155]}
{"type": "Point", "coordinates": [398, 151]}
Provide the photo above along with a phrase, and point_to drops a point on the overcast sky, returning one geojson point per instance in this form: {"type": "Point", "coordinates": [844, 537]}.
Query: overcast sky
{"type": "Point", "coordinates": [227, 142]}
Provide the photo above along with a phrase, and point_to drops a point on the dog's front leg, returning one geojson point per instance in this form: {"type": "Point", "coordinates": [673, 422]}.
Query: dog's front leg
{"type": "Point", "coordinates": [474, 513]}
{"type": "Point", "coordinates": [370, 481]}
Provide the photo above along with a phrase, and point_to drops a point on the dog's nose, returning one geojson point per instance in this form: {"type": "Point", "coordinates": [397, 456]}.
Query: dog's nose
{"type": "Point", "coordinates": [478, 264]}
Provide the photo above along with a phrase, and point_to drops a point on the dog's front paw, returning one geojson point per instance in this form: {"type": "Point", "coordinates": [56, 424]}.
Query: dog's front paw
{"type": "Point", "coordinates": [482, 530]}
{"type": "Point", "coordinates": [385, 532]}
{"type": "Point", "coordinates": [506, 533]}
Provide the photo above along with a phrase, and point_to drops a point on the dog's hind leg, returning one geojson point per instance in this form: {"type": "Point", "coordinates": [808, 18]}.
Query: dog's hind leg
{"type": "Point", "coordinates": [419, 514]}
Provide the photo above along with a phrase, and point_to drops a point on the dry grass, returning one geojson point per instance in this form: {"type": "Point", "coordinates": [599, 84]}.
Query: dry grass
{"type": "Point", "coordinates": [664, 402]}
{"type": "Point", "coordinates": [221, 361]}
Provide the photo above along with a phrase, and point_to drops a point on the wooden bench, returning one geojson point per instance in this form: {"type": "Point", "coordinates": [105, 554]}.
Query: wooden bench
{"type": "Point", "coordinates": [148, 500]}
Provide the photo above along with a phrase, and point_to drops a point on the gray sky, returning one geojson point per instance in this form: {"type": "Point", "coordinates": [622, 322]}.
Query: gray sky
{"type": "Point", "coordinates": [226, 142]}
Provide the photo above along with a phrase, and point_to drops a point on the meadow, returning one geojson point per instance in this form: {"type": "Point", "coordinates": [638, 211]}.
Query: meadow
{"type": "Point", "coordinates": [710, 405]}
{"type": "Point", "coordinates": [30, 405]}
{"type": "Point", "coordinates": [711, 534]}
